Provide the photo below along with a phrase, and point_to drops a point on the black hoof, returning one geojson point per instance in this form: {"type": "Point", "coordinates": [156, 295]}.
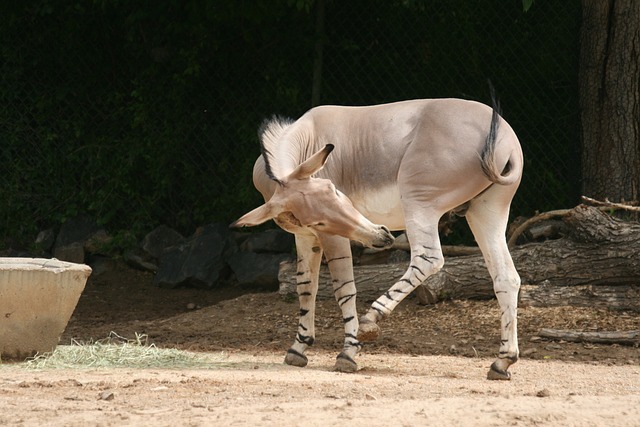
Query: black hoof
{"type": "Point", "coordinates": [345, 364]}
{"type": "Point", "coordinates": [294, 358]}
{"type": "Point", "coordinates": [498, 374]}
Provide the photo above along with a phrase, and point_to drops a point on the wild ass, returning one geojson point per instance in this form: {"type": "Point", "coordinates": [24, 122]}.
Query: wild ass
{"type": "Point", "coordinates": [402, 165]}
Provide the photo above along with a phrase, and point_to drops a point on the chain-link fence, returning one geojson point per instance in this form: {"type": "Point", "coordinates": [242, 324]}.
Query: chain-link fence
{"type": "Point", "coordinates": [141, 115]}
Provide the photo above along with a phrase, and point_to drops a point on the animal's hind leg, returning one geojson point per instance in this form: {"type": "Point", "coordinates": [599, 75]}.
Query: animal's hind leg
{"type": "Point", "coordinates": [426, 259]}
{"type": "Point", "coordinates": [309, 257]}
{"type": "Point", "coordinates": [338, 254]}
{"type": "Point", "coordinates": [487, 217]}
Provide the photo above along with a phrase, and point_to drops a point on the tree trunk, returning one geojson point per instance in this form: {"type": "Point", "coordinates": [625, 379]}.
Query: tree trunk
{"type": "Point", "coordinates": [610, 99]}
{"type": "Point", "coordinates": [597, 264]}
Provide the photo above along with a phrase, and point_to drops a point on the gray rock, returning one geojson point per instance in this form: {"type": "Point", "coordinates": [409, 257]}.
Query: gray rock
{"type": "Point", "coordinates": [275, 240]}
{"type": "Point", "coordinates": [170, 274]}
{"type": "Point", "coordinates": [97, 243]}
{"type": "Point", "coordinates": [78, 229]}
{"type": "Point", "coordinates": [257, 269]}
{"type": "Point", "coordinates": [198, 261]}
{"type": "Point", "coordinates": [45, 240]}
{"type": "Point", "coordinates": [138, 261]}
{"type": "Point", "coordinates": [75, 236]}
{"type": "Point", "coordinates": [71, 252]}
{"type": "Point", "coordinates": [159, 239]}
{"type": "Point", "coordinates": [101, 264]}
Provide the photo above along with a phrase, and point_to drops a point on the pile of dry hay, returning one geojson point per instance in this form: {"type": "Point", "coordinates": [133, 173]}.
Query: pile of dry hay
{"type": "Point", "coordinates": [118, 352]}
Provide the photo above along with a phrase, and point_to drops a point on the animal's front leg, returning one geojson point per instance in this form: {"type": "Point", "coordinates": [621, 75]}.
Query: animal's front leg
{"type": "Point", "coordinates": [338, 253]}
{"type": "Point", "coordinates": [309, 257]}
{"type": "Point", "coordinates": [426, 259]}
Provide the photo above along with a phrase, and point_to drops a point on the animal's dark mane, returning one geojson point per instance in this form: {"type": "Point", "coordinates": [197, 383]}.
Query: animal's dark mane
{"type": "Point", "coordinates": [269, 132]}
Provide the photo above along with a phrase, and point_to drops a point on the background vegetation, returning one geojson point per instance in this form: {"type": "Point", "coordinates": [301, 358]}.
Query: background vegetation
{"type": "Point", "coordinates": [143, 113]}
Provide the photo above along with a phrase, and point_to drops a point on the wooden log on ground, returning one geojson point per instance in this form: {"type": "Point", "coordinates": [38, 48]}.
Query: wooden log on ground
{"type": "Point", "coordinates": [604, 337]}
{"type": "Point", "coordinates": [371, 280]}
{"type": "Point", "coordinates": [596, 264]}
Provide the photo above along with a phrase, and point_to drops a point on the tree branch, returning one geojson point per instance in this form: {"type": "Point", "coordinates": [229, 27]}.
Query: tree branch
{"type": "Point", "coordinates": [611, 205]}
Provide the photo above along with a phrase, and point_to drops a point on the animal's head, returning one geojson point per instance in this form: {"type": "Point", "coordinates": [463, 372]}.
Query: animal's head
{"type": "Point", "coordinates": [303, 201]}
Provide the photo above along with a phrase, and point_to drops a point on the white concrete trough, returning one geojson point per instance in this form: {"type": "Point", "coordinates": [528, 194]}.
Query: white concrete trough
{"type": "Point", "coordinates": [37, 299]}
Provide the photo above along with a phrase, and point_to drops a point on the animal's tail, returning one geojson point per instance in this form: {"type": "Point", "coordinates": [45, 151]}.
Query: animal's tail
{"type": "Point", "coordinates": [512, 170]}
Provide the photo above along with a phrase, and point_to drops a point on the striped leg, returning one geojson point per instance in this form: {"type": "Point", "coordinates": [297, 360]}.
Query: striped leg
{"type": "Point", "coordinates": [338, 253]}
{"type": "Point", "coordinates": [309, 257]}
{"type": "Point", "coordinates": [488, 224]}
{"type": "Point", "coordinates": [426, 259]}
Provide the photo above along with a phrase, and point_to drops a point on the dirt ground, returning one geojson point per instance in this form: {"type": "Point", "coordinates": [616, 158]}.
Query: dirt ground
{"type": "Point", "coordinates": [428, 368]}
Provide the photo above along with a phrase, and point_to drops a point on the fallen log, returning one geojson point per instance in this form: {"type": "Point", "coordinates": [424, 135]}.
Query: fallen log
{"type": "Point", "coordinates": [596, 264]}
{"type": "Point", "coordinates": [604, 337]}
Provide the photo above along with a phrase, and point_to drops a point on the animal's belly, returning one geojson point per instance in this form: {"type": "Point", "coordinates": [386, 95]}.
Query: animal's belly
{"type": "Point", "coordinates": [381, 206]}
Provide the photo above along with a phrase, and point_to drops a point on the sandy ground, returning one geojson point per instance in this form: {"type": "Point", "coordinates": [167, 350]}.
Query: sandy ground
{"type": "Point", "coordinates": [389, 390]}
{"type": "Point", "coordinates": [429, 367]}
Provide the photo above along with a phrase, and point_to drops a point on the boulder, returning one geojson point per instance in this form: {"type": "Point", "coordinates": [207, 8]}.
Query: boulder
{"type": "Point", "coordinates": [71, 252]}
{"type": "Point", "coordinates": [78, 229]}
{"type": "Point", "coordinates": [136, 259]}
{"type": "Point", "coordinates": [199, 261]}
{"type": "Point", "coordinates": [45, 240]}
{"type": "Point", "coordinates": [101, 264]}
{"type": "Point", "coordinates": [257, 269]}
{"type": "Point", "coordinates": [97, 243]}
{"type": "Point", "coordinates": [159, 239]}
{"type": "Point", "coordinates": [274, 240]}
{"type": "Point", "coordinates": [147, 256]}
{"type": "Point", "coordinates": [76, 236]}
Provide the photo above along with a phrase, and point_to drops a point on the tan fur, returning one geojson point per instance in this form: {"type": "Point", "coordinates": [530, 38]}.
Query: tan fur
{"type": "Point", "coordinates": [393, 166]}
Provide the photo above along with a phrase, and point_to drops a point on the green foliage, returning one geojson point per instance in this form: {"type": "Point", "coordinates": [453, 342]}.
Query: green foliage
{"type": "Point", "coordinates": [120, 117]}
{"type": "Point", "coordinates": [146, 114]}
{"type": "Point", "coordinates": [526, 4]}
{"type": "Point", "coordinates": [121, 242]}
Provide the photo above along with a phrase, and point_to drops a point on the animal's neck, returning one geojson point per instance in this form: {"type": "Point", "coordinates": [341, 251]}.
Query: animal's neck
{"type": "Point", "coordinates": [294, 147]}
{"type": "Point", "coordinates": [289, 154]}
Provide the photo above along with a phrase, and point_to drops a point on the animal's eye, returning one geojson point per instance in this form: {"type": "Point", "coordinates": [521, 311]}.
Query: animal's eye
{"type": "Point", "coordinates": [319, 224]}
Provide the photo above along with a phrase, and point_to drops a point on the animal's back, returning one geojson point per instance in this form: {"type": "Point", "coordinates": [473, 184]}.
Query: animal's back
{"type": "Point", "coordinates": [371, 141]}
{"type": "Point", "coordinates": [443, 137]}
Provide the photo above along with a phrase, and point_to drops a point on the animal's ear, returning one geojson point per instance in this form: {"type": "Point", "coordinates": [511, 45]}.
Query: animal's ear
{"type": "Point", "coordinates": [256, 217]}
{"type": "Point", "coordinates": [312, 165]}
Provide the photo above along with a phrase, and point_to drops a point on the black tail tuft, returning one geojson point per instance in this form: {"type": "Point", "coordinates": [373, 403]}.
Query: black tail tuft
{"type": "Point", "coordinates": [487, 155]}
{"type": "Point", "coordinates": [495, 102]}
{"type": "Point", "coordinates": [511, 172]}
{"type": "Point", "coordinates": [493, 130]}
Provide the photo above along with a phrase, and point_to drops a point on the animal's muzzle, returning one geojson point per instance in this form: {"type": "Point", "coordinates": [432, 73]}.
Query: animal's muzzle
{"type": "Point", "coordinates": [384, 239]}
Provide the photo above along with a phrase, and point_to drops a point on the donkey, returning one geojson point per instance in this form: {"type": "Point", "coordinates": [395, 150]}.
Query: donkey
{"type": "Point", "coordinates": [397, 166]}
